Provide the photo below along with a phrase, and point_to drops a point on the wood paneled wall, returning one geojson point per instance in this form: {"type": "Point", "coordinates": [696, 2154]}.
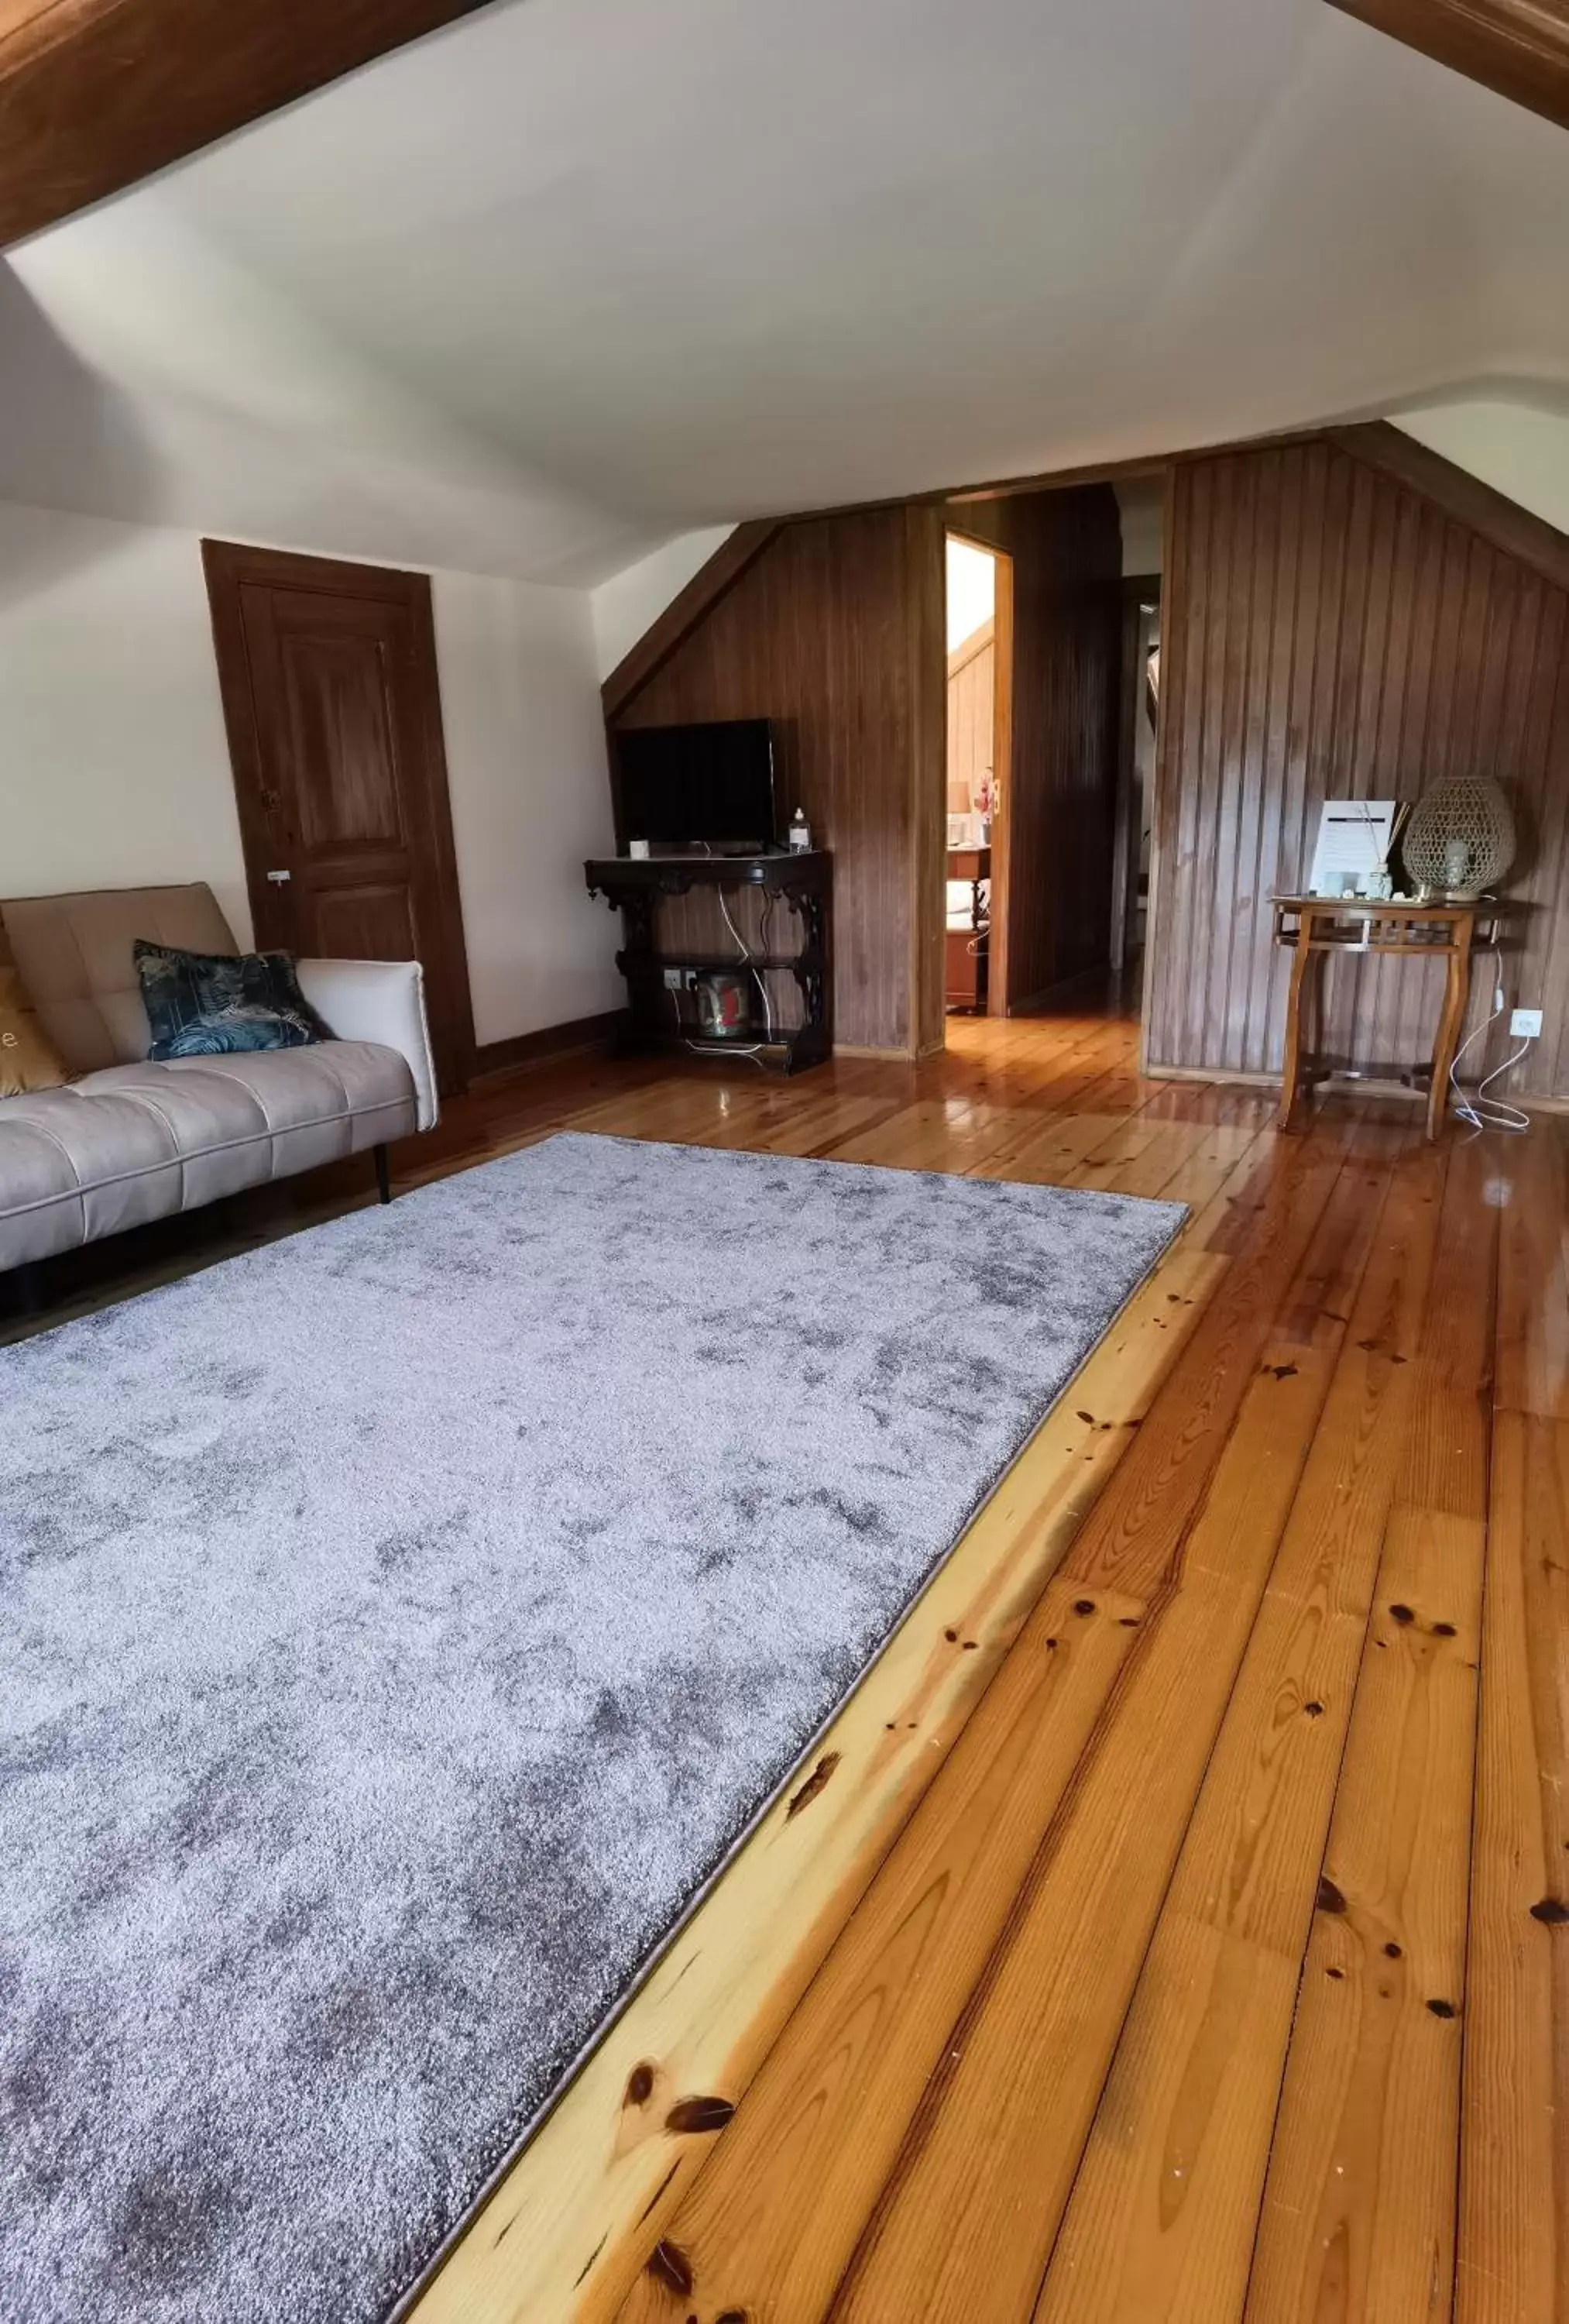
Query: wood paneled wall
{"type": "Point", "coordinates": [1332, 632]}
{"type": "Point", "coordinates": [834, 629]}
{"type": "Point", "coordinates": [1067, 551]}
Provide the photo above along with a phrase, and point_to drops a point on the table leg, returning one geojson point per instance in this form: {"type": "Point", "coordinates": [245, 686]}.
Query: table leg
{"type": "Point", "coordinates": [1456, 992]}
{"type": "Point", "coordinates": [1291, 1071]}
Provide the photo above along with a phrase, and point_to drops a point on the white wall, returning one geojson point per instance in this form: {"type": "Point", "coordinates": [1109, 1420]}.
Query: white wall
{"type": "Point", "coordinates": [629, 603]}
{"type": "Point", "coordinates": [531, 798]}
{"type": "Point", "coordinates": [1514, 441]}
{"type": "Point", "coordinates": [114, 769]}
{"type": "Point", "coordinates": [1142, 506]}
{"type": "Point", "coordinates": [972, 590]}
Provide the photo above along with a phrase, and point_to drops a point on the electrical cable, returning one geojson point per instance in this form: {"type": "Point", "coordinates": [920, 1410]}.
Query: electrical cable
{"type": "Point", "coordinates": [753, 1049]}
{"type": "Point", "coordinates": [1484, 1113]}
{"type": "Point", "coordinates": [747, 962]}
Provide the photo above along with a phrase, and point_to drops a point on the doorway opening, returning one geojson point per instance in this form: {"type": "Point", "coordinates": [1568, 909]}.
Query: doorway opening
{"type": "Point", "coordinates": [979, 597]}
{"type": "Point", "coordinates": [1138, 724]}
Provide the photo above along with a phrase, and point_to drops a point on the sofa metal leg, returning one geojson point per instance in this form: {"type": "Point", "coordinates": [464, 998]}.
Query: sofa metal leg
{"type": "Point", "coordinates": [384, 1173]}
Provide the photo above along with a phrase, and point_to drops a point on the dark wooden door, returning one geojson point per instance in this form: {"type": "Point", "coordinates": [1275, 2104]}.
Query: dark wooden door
{"type": "Point", "coordinates": [334, 714]}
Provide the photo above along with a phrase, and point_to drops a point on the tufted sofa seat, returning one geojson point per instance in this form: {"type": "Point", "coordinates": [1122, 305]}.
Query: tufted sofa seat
{"type": "Point", "coordinates": [128, 1140]}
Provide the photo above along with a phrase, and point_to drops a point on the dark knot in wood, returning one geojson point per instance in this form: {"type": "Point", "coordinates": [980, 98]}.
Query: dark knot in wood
{"type": "Point", "coordinates": [688, 2114]}
{"type": "Point", "coordinates": [815, 1783]}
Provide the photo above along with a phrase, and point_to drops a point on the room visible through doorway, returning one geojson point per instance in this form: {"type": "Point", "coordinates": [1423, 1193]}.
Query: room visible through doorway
{"type": "Point", "coordinates": [979, 600]}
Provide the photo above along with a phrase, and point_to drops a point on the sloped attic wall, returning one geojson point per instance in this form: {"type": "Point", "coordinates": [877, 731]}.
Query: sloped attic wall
{"type": "Point", "coordinates": [1331, 631]}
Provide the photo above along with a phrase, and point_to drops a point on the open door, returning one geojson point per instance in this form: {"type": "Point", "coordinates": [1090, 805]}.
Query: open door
{"type": "Point", "coordinates": [1137, 724]}
{"type": "Point", "coordinates": [334, 715]}
{"type": "Point", "coordinates": [980, 699]}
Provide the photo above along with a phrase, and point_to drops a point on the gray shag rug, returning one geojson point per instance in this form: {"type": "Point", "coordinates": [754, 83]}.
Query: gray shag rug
{"type": "Point", "coordinates": [399, 1624]}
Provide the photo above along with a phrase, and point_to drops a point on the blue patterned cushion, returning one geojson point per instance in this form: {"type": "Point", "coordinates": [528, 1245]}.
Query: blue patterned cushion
{"type": "Point", "coordinates": [203, 1004]}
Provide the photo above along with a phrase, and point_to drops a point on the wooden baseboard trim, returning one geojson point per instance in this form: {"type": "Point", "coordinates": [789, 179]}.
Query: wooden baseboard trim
{"type": "Point", "coordinates": [1027, 1003]}
{"type": "Point", "coordinates": [882, 1056]}
{"type": "Point", "coordinates": [493, 1060]}
{"type": "Point", "coordinates": [1153, 1073]}
{"type": "Point", "coordinates": [1343, 1084]}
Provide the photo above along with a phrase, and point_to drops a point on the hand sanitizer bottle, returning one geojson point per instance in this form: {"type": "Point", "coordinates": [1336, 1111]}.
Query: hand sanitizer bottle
{"type": "Point", "coordinates": [800, 835]}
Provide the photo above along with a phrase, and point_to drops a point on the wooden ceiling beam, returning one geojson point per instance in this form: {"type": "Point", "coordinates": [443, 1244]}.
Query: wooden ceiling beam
{"type": "Point", "coordinates": [1520, 48]}
{"type": "Point", "coordinates": [96, 94]}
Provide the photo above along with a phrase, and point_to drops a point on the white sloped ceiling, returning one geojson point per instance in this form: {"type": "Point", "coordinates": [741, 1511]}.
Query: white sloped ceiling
{"type": "Point", "coordinates": [577, 275]}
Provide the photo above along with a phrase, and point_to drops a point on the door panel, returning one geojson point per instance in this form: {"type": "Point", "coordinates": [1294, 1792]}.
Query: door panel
{"type": "Point", "coordinates": [358, 921]}
{"type": "Point", "coordinates": [340, 717]}
{"type": "Point", "coordinates": [334, 715]}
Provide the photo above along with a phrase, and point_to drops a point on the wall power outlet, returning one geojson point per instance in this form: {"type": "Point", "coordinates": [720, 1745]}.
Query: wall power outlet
{"type": "Point", "coordinates": [1526, 1025]}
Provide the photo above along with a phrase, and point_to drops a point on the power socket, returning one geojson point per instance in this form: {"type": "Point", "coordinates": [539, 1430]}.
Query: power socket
{"type": "Point", "coordinates": [1526, 1025]}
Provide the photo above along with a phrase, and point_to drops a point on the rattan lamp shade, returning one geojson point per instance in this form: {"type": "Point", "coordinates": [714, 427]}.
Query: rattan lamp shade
{"type": "Point", "coordinates": [1461, 837]}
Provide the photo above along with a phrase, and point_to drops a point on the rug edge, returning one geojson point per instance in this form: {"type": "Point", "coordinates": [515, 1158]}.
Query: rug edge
{"type": "Point", "coordinates": [406, 2301]}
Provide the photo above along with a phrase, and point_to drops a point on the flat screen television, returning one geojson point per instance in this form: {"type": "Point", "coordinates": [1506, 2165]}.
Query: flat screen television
{"type": "Point", "coordinates": [710, 786]}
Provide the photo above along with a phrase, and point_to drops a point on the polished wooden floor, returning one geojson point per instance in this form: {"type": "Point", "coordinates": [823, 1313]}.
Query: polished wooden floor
{"type": "Point", "coordinates": [1204, 1953]}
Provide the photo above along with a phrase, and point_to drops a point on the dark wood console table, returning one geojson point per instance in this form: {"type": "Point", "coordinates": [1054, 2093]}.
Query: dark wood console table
{"type": "Point", "coordinates": [660, 980]}
{"type": "Point", "coordinates": [1314, 927]}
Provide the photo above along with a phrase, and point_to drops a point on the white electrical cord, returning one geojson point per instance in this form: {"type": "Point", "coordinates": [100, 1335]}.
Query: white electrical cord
{"type": "Point", "coordinates": [746, 963]}
{"type": "Point", "coordinates": [1484, 1113]}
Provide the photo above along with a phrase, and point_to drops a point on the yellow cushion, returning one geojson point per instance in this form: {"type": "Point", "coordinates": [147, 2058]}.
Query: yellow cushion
{"type": "Point", "coordinates": [29, 1059]}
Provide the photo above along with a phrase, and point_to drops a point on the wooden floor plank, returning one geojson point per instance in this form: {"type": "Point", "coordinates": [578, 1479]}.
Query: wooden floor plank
{"type": "Point", "coordinates": [1225, 1157]}
{"type": "Point", "coordinates": [1533, 1337]}
{"type": "Point", "coordinates": [1359, 2212]}
{"type": "Point", "coordinates": [1445, 1461]}
{"type": "Point", "coordinates": [820, 2127]}
{"type": "Point", "coordinates": [966, 2224]}
{"type": "Point", "coordinates": [1134, 1536]}
{"type": "Point", "coordinates": [1161, 2220]}
{"type": "Point", "coordinates": [1513, 2266]}
{"type": "Point", "coordinates": [1358, 2218]}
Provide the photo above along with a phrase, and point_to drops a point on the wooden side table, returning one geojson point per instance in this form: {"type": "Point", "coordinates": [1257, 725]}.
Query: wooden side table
{"type": "Point", "coordinates": [1312, 926]}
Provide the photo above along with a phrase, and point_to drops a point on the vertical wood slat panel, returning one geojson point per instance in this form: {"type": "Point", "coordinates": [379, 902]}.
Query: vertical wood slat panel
{"type": "Point", "coordinates": [1264, 677]}
{"type": "Point", "coordinates": [822, 632]}
{"type": "Point", "coordinates": [1184, 628]}
{"type": "Point", "coordinates": [1373, 708]}
{"type": "Point", "coordinates": [1555, 847]}
{"type": "Point", "coordinates": [925, 633]}
{"type": "Point", "coordinates": [1332, 634]}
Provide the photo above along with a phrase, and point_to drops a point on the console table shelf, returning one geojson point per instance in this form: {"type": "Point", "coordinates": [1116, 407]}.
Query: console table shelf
{"type": "Point", "coordinates": [633, 886]}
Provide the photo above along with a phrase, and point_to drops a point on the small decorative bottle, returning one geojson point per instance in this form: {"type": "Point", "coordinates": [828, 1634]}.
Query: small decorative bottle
{"type": "Point", "coordinates": [800, 835]}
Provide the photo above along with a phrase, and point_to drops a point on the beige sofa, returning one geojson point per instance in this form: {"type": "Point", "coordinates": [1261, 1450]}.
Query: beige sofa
{"type": "Point", "coordinates": [128, 1140]}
